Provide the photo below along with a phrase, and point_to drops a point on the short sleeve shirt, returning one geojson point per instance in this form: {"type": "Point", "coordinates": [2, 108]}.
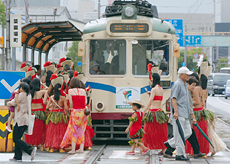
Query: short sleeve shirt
{"type": "Point", "coordinates": [180, 92]}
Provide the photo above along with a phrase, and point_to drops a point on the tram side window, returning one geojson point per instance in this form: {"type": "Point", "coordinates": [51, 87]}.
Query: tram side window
{"type": "Point", "coordinates": [150, 51]}
{"type": "Point", "coordinates": [107, 57]}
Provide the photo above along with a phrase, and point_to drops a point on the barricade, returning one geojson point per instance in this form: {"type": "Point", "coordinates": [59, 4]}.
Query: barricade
{"type": "Point", "coordinates": [4, 114]}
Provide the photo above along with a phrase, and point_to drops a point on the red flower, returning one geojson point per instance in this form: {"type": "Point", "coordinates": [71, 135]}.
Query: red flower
{"type": "Point", "coordinates": [125, 92]}
{"type": "Point", "coordinates": [61, 60]}
{"type": "Point", "coordinates": [29, 69]}
{"type": "Point", "coordinates": [150, 66]}
{"type": "Point", "coordinates": [54, 76]}
{"type": "Point", "coordinates": [48, 63]}
{"type": "Point", "coordinates": [75, 74]}
{"type": "Point", "coordinates": [58, 65]}
{"type": "Point", "coordinates": [23, 64]}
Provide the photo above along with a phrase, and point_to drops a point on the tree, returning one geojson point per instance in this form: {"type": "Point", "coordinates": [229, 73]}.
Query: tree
{"type": "Point", "coordinates": [222, 60]}
{"type": "Point", "coordinates": [73, 54]}
{"type": "Point", "coordinates": [2, 14]}
{"type": "Point", "coordinates": [190, 64]}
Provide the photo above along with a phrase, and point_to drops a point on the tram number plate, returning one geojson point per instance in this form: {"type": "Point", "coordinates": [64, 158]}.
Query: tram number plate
{"type": "Point", "coordinates": [165, 84]}
{"type": "Point", "coordinates": [129, 27]}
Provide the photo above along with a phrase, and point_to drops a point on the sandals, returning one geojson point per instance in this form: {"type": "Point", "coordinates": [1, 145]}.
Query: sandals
{"type": "Point", "coordinates": [130, 153]}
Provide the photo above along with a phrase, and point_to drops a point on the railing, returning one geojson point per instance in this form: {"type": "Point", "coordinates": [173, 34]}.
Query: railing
{"type": "Point", "coordinates": [208, 33]}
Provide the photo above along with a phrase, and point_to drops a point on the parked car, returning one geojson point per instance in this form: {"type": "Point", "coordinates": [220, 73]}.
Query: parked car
{"type": "Point", "coordinates": [227, 89]}
{"type": "Point", "coordinates": [216, 82]}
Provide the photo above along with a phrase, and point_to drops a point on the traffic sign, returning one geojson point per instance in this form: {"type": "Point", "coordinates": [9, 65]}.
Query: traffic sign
{"type": "Point", "coordinates": [9, 81]}
{"type": "Point", "coordinates": [195, 56]}
{"type": "Point", "coordinates": [192, 40]}
{"type": "Point", "coordinates": [203, 54]}
{"type": "Point", "coordinates": [178, 24]}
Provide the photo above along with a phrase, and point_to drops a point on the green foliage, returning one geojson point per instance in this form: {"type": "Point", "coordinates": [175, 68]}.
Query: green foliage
{"type": "Point", "coordinates": [190, 64]}
{"type": "Point", "coordinates": [2, 14]}
{"type": "Point", "coordinates": [73, 54]}
{"type": "Point", "coordinates": [223, 60]}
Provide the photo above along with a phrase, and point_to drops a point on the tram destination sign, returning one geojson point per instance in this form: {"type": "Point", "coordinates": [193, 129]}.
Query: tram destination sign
{"type": "Point", "coordinates": [129, 27]}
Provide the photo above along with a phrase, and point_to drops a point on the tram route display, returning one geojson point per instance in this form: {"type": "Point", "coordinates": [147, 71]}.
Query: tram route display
{"type": "Point", "coordinates": [129, 27]}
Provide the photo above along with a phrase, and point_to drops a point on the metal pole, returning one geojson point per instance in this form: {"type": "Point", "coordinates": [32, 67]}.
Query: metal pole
{"type": "Point", "coordinates": [3, 53]}
{"type": "Point", "coordinates": [40, 57]}
{"type": "Point", "coordinates": [32, 56]}
{"type": "Point", "coordinates": [26, 21]}
{"type": "Point", "coordinates": [47, 53]}
{"type": "Point", "coordinates": [214, 17]}
{"type": "Point", "coordinates": [8, 50]}
{"type": "Point", "coordinates": [98, 9]}
{"type": "Point", "coordinates": [13, 58]}
{"type": "Point", "coordinates": [24, 53]}
{"type": "Point", "coordinates": [185, 51]}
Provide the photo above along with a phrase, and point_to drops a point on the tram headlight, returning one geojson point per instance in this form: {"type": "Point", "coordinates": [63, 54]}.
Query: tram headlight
{"type": "Point", "coordinates": [100, 106]}
{"type": "Point", "coordinates": [129, 11]}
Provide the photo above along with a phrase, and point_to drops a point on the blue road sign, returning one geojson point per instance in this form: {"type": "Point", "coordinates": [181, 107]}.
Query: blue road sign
{"type": "Point", "coordinates": [9, 81]}
{"type": "Point", "coordinates": [178, 24]}
{"type": "Point", "coordinates": [192, 40]}
{"type": "Point", "coordinates": [79, 63]}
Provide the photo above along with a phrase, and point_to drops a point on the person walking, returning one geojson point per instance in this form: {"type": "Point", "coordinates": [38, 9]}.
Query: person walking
{"type": "Point", "coordinates": [180, 105]}
{"type": "Point", "coordinates": [20, 123]}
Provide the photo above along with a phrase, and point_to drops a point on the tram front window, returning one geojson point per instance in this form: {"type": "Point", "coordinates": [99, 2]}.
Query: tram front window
{"type": "Point", "coordinates": [107, 57]}
{"type": "Point", "coordinates": [150, 51]}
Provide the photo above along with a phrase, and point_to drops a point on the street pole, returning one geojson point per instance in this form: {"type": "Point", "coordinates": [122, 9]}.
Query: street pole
{"type": "Point", "coordinates": [3, 52]}
{"type": "Point", "coordinates": [185, 52]}
{"type": "Point", "coordinates": [14, 58]}
{"type": "Point", "coordinates": [98, 9]}
{"type": "Point", "coordinates": [8, 50]}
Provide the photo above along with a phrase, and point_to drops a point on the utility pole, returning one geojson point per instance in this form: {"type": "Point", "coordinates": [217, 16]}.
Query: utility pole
{"type": "Point", "coordinates": [8, 50]}
{"type": "Point", "coordinates": [26, 20]}
{"type": "Point", "coordinates": [99, 9]}
{"type": "Point", "coordinates": [3, 49]}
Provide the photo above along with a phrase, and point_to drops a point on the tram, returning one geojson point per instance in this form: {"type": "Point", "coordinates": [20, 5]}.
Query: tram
{"type": "Point", "coordinates": [116, 50]}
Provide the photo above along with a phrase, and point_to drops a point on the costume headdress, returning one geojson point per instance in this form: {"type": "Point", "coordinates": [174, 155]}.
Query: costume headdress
{"type": "Point", "coordinates": [24, 66]}
{"type": "Point", "coordinates": [63, 61]}
{"type": "Point", "coordinates": [204, 68]}
{"type": "Point", "coordinates": [31, 72]}
{"type": "Point", "coordinates": [152, 69]}
{"type": "Point", "coordinates": [82, 78]}
{"type": "Point", "coordinates": [49, 66]}
{"type": "Point", "coordinates": [137, 102]}
{"type": "Point", "coordinates": [56, 79]}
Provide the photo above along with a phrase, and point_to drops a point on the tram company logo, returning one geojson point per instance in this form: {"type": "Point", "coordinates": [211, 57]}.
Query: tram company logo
{"type": "Point", "coordinates": [126, 94]}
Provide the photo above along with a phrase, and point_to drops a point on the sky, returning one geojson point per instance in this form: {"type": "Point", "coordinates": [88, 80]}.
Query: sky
{"type": "Point", "coordinates": [183, 6]}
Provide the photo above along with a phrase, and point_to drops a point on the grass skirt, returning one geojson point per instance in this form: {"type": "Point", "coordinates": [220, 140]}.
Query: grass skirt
{"type": "Point", "coordinates": [55, 134]}
{"type": "Point", "coordinates": [156, 134]}
{"type": "Point", "coordinates": [39, 133]}
{"type": "Point", "coordinates": [203, 143]}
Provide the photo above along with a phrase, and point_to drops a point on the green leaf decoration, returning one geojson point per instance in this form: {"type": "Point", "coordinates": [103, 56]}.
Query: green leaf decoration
{"type": "Point", "coordinates": [161, 117]}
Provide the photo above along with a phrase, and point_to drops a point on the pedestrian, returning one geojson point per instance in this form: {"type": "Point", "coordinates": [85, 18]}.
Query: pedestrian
{"type": "Point", "coordinates": [155, 120]}
{"type": "Point", "coordinates": [180, 111]}
{"type": "Point", "coordinates": [74, 134]}
{"type": "Point", "coordinates": [56, 120]}
{"type": "Point", "coordinates": [38, 136]}
{"type": "Point", "coordinates": [20, 123]}
{"type": "Point", "coordinates": [191, 84]}
{"type": "Point", "coordinates": [199, 112]}
{"type": "Point", "coordinates": [135, 128]}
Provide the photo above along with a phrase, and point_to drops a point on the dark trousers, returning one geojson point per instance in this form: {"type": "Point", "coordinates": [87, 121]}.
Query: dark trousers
{"type": "Point", "coordinates": [19, 144]}
{"type": "Point", "coordinates": [194, 142]}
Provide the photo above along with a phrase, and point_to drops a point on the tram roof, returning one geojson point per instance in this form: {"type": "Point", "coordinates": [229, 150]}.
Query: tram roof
{"type": "Point", "coordinates": [41, 36]}
{"type": "Point", "coordinates": [100, 25]}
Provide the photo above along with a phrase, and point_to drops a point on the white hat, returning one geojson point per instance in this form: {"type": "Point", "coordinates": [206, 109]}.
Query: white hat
{"type": "Point", "coordinates": [137, 102]}
{"type": "Point", "coordinates": [184, 70]}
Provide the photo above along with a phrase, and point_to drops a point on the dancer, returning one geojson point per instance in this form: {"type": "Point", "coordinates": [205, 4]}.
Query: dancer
{"type": "Point", "coordinates": [156, 120]}
{"type": "Point", "coordinates": [191, 84]}
{"type": "Point", "coordinates": [38, 136]}
{"type": "Point", "coordinates": [56, 120]}
{"type": "Point", "coordinates": [180, 105]}
{"type": "Point", "coordinates": [78, 120]}
{"type": "Point", "coordinates": [21, 124]}
{"type": "Point", "coordinates": [135, 128]}
{"type": "Point", "coordinates": [201, 120]}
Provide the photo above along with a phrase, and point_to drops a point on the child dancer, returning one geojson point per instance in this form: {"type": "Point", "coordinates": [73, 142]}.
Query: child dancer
{"type": "Point", "coordinates": [135, 128]}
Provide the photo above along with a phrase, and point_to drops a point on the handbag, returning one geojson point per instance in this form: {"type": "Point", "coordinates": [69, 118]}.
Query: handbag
{"type": "Point", "coordinates": [31, 118]}
{"type": "Point", "coordinates": [87, 111]}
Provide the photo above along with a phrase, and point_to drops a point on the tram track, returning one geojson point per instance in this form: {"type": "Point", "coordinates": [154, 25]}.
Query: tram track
{"type": "Point", "coordinates": [96, 156]}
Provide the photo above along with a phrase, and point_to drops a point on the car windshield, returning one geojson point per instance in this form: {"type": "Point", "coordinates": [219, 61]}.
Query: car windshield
{"type": "Point", "coordinates": [221, 78]}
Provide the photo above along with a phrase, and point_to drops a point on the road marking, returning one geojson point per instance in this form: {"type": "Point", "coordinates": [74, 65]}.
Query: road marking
{"type": "Point", "coordinates": [8, 87]}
